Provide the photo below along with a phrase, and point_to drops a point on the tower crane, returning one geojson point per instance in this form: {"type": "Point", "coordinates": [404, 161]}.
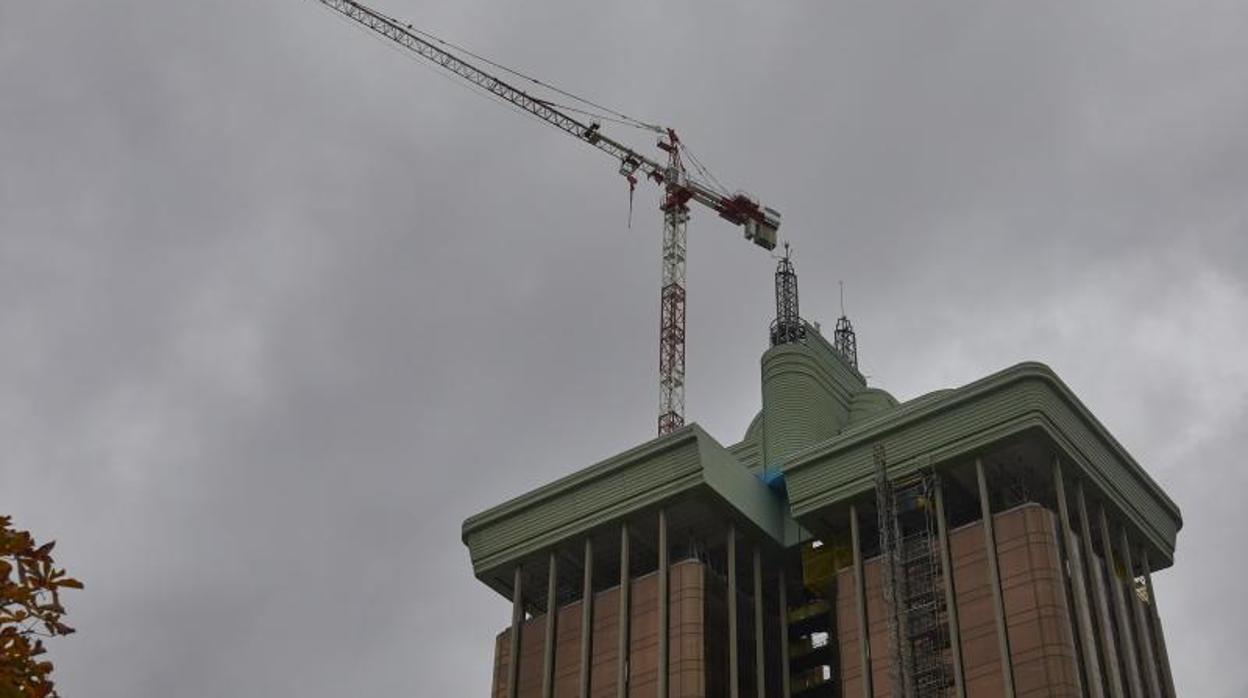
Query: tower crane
{"type": "Point", "coordinates": [668, 171]}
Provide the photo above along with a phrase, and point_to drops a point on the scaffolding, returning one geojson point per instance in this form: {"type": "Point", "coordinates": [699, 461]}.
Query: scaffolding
{"type": "Point", "coordinates": [910, 563]}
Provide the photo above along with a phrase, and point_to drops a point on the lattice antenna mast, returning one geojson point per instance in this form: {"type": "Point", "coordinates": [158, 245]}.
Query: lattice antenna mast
{"type": "Point", "coordinates": [843, 338]}
{"type": "Point", "coordinates": [759, 223]}
{"type": "Point", "coordinates": [788, 326]}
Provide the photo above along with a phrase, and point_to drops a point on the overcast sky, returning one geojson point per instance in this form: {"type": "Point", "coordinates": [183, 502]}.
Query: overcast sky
{"type": "Point", "coordinates": [281, 307]}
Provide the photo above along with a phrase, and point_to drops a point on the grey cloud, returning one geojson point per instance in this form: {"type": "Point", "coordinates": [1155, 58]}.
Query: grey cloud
{"type": "Point", "coordinates": [282, 307]}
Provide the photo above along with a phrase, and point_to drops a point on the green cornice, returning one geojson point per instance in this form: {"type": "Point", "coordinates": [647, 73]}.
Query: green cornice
{"type": "Point", "coordinates": [947, 425]}
{"type": "Point", "coordinates": [687, 461]}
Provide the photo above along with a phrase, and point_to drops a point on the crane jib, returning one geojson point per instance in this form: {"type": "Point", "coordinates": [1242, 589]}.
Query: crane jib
{"type": "Point", "coordinates": [737, 209]}
{"type": "Point", "coordinates": [404, 36]}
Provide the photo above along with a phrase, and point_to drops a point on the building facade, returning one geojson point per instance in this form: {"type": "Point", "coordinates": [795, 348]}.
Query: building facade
{"type": "Point", "coordinates": [989, 540]}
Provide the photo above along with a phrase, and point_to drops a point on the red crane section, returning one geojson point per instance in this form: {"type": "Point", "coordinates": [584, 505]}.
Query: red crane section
{"type": "Point", "coordinates": [759, 223]}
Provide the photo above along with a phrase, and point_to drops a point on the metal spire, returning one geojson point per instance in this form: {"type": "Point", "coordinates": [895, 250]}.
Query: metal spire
{"type": "Point", "coordinates": [843, 338]}
{"type": "Point", "coordinates": [788, 326]}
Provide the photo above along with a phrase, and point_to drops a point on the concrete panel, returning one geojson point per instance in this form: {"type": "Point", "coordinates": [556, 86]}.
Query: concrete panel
{"type": "Point", "coordinates": [687, 670]}
{"type": "Point", "coordinates": [643, 638]}
{"type": "Point", "coordinates": [846, 633]}
{"type": "Point", "coordinates": [1042, 648]}
{"type": "Point", "coordinates": [1042, 651]}
{"type": "Point", "coordinates": [606, 643]}
{"type": "Point", "coordinates": [532, 636]}
{"type": "Point", "coordinates": [568, 651]}
{"type": "Point", "coordinates": [686, 642]}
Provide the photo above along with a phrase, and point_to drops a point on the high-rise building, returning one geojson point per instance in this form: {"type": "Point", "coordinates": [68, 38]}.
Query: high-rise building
{"type": "Point", "coordinates": [988, 540]}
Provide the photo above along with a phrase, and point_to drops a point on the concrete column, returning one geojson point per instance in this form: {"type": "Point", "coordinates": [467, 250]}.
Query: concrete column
{"type": "Point", "coordinates": [760, 668]}
{"type": "Point", "coordinates": [734, 679]}
{"type": "Point", "coordinates": [1141, 625]}
{"type": "Point", "coordinates": [1163, 656]}
{"type": "Point", "coordinates": [1074, 564]}
{"type": "Point", "coordinates": [783, 595]}
{"type": "Point", "coordinates": [664, 584]}
{"type": "Point", "coordinates": [951, 601]}
{"type": "Point", "coordinates": [1109, 650]}
{"type": "Point", "coordinates": [517, 619]}
{"type": "Point", "coordinates": [1130, 657]}
{"type": "Point", "coordinates": [1070, 624]}
{"type": "Point", "coordinates": [621, 676]}
{"type": "Point", "coordinates": [1146, 641]}
{"type": "Point", "coordinates": [994, 581]}
{"type": "Point", "coordinates": [860, 593]}
{"type": "Point", "coordinates": [587, 618]}
{"type": "Point", "coordinates": [552, 615]}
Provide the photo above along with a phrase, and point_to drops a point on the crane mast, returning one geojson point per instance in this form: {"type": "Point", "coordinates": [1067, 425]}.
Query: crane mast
{"type": "Point", "coordinates": [759, 223]}
{"type": "Point", "coordinates": [672, 298]}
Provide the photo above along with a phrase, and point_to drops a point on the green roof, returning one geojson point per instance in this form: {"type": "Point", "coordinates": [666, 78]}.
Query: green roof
{"type": "Point", "coordinates": [818, 426]}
